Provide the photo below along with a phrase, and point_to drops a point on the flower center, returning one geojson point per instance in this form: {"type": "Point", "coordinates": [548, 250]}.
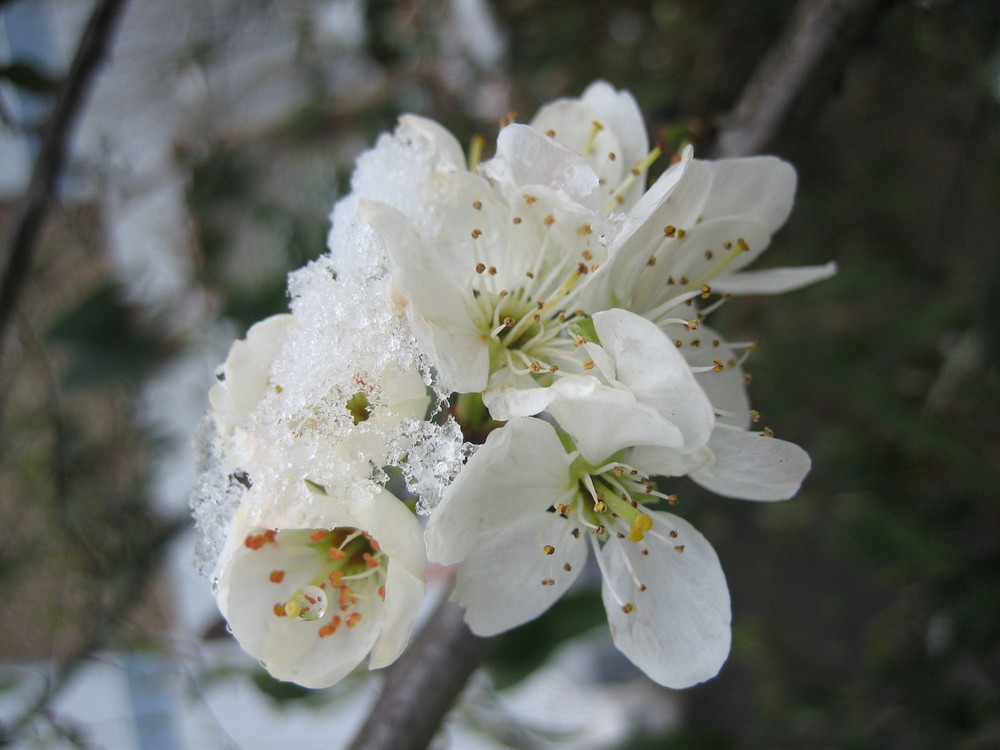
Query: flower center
{"type": "Point", "coordinates": [529, 335]}
{"type": "Point", "coordinates": [609, 499]}
{"type": "Point", "coordinates": [349, 571]}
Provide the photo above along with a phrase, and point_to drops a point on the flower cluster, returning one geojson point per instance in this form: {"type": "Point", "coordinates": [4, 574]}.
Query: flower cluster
{"type": "Point", "coordinates": [545, 306]}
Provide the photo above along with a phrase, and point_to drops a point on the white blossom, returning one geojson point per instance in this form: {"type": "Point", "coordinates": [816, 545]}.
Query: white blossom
{"type": "Point", "coordinates": [312, 603]}
{"type": "Point", "coordinates": [519, 520]}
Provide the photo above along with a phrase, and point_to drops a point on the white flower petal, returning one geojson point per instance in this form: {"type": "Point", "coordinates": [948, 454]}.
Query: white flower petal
{"type": "Point", "coordinates": [613, 148]}
{"type": "Point", "coordinates": [759, 187]}
{"type": "Point", "coordinates": [512, 581]}
{"type": "Point", "coordinates": [751, 466]}
{"type": "Point", "coordinates": [648, 363]}
{"type": "Point", "coordinates": [404, 595]}
{"type": "Point", "coordinates": [526, 157]}
{"type": "Point", "coordinates": [436, 306]}
{"type": "Point", "coordinates": [603, 420]}
{"type": "Point", "coordinates": [448, 149]}
{"type": "Point", "coordinates": [726, 389]}
{"type": "Point", "coordinates": [678, 629]}
{"type": "Point", "coordinates": [773, 280]}
{"type": "Point", "coordinates": [520, 470]}
{"type": "Point", "coordinates": [247, 368]}
{"type": "Point", "coordinates": [663, 462]}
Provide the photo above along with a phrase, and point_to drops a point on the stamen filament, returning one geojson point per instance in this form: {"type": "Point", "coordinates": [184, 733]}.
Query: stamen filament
{"type": "Point", "coordinates": [627, 183]}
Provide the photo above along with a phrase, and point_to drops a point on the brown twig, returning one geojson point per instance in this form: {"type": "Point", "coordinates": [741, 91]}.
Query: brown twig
{"type": "Point", "coordinates": [55, 135]}
{"type": "Point", "coordinates": [798, 72]}
{"type": "Point", "coordinates": [421, 686]}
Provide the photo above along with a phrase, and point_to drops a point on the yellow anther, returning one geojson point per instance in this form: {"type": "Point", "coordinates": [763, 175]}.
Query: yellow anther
{"type": "Point", "coordinates": [548, 549]}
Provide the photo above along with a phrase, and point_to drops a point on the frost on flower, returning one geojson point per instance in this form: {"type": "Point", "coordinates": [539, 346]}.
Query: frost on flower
{"type": "Point", "coordinates": [312, 603]}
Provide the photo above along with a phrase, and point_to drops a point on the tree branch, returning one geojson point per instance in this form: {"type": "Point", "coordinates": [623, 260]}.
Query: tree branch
{"type": "Point", "coordinates": [55, 135]}
{"type": "Point", "coordinates": [797, 73]}
{"type": "Point", "coordinates": [422, 685]}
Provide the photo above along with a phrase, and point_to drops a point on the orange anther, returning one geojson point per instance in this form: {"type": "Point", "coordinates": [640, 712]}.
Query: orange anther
{"type": "Point", "coordinates": [336, 553]}
{"type": "Point", "coordinates": [277, 576]}
{"type": "Point", "coordinates": [337, 579]}
{"type": "Point", "coordinates": [370, 561]}
{"type": "Point", "coordinates": [381, 591]}
{"type": "Point", "coordinates": [279, 609]}
{"type": "Point", "coordinates": [318, 536]}
{"type": "Point", "coordinates": [353, 619]}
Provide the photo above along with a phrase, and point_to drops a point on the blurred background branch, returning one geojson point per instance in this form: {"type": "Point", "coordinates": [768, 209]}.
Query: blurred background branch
{"type": "Point", "coordinates": [798, 74]}
{"type": "Point", "coordinates": [94, 43]}
{"type": "Point", "coordinates": [421, 687]}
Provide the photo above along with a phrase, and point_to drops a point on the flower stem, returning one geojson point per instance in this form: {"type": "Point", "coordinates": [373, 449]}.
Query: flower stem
{"type": "Point", "coordinates": [421, 686]}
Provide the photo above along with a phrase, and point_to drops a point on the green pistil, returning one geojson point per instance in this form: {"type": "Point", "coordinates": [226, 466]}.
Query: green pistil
{"type": "Point", "coordinates": [615, 504]}
{"type": "Point", "coordinates": [359, 407]}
